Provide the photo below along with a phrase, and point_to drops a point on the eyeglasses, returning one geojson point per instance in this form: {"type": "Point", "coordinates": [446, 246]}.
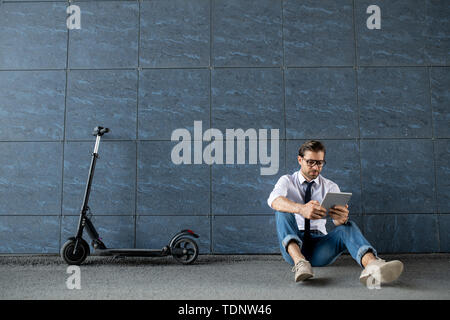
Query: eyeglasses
{"type": "Point", "coordinates": [312, 163]}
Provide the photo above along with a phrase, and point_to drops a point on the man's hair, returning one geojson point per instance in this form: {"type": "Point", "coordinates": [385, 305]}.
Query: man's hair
{"type": "Point", "coordinates": [311, 145]}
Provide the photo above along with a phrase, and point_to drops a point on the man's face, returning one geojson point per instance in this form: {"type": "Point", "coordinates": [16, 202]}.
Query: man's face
{"type": "Point", "coordinates": [311, 172]}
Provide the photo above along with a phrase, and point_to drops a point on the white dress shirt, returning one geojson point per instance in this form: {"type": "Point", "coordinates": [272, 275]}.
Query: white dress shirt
{"type": "Point", "coordinates": [293, 187]}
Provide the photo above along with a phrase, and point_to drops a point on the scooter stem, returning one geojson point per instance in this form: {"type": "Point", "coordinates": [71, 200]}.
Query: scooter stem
{"type": "Point", "coordinates": [97, 143]}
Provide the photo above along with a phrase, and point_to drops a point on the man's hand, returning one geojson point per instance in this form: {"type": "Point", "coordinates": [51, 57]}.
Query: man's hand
{"type": "Point", "coordinates": [339, 214]}
{"type": "Point", "coordinates": [313, 210]}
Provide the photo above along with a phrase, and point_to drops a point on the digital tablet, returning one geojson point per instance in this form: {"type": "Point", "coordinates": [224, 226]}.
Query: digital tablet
{"type": "Point", "coordinates": [335, 199]}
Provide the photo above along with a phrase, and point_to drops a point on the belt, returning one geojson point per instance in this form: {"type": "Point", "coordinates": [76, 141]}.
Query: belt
{"type": "Point", "coordinates": [313, 231]}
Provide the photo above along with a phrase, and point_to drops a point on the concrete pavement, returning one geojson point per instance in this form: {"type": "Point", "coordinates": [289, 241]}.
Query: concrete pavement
{"type": "Point", "coordinates": [426, 276]}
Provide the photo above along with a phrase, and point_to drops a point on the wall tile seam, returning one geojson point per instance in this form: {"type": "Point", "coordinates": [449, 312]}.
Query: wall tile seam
{"type": "Point", "coordinates": [428, 214]}
{"type": "Point", "coordinates": [43, 1]}
{"type": "Point", "coordinates": [360, 67]}
{"type": "Point", "coordinates": [168, 140]}
{"type": "Point", "coordinates": [433, 131]}
{"type": "Point", "coordinates": [356, 63]}
{"type": "Point", "coordinates": [211, 59]}
{"type": "Point", "coordinates": [69, 1]}
{"type": "Point", "coordinates": [136, 144]}
{"type": "Point", "coordinates": [215, 215]}
{"type": "Point", "coordinates": [283, 85]}
{"type": "Point", "coordinates": [138, 215]}
{"type": "Point", "coordinates": [63, 140]}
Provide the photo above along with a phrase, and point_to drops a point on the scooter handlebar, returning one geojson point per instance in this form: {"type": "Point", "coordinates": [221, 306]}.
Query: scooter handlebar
{"type": "Point", "coordinates": [99, 131]}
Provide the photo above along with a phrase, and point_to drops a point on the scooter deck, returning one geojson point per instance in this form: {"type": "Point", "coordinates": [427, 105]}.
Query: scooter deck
{"type": "Point", "coordinates": [133, 252]}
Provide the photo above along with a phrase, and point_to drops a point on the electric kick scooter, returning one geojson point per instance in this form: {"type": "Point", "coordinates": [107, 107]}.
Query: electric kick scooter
{"type": "Point", "coordinates": [182, 246]}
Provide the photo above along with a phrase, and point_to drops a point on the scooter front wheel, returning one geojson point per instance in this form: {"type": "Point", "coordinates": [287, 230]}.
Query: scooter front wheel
{"type": "Point", "coordinates": [72, 257]}
{"type": "Point", "coordinates": [185, 250]}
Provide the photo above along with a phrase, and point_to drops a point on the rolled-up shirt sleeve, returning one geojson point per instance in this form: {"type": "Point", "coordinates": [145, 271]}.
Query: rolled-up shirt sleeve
{"type": "Point", "coordinates": [334, 188]}
{"type": "Point", "coordinates": [280, 189]}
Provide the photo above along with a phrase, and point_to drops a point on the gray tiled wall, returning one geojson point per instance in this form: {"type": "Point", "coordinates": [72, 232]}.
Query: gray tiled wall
{"type": "Point", "coordinates": [379, 99]}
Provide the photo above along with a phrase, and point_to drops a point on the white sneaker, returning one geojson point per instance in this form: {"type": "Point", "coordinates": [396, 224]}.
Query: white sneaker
{"type": "Point", "coordinates": [303, 270]}
{"type": "Point", "coordinates": [380, 272]}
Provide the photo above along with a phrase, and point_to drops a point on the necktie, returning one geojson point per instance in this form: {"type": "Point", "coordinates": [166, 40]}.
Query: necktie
{"type": "Point", "coordinates": [307, 199]}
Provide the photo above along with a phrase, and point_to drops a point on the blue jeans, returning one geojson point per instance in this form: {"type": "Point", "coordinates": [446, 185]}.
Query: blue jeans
{"type": "Point", "coordinates": [321, 250]}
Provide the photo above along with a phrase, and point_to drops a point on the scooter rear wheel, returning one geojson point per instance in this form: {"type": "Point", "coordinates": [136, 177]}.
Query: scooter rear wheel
{"type": "Point", "coordinates": [77, 257]}
{"type": "Point", "coordinates": [191, 248]}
